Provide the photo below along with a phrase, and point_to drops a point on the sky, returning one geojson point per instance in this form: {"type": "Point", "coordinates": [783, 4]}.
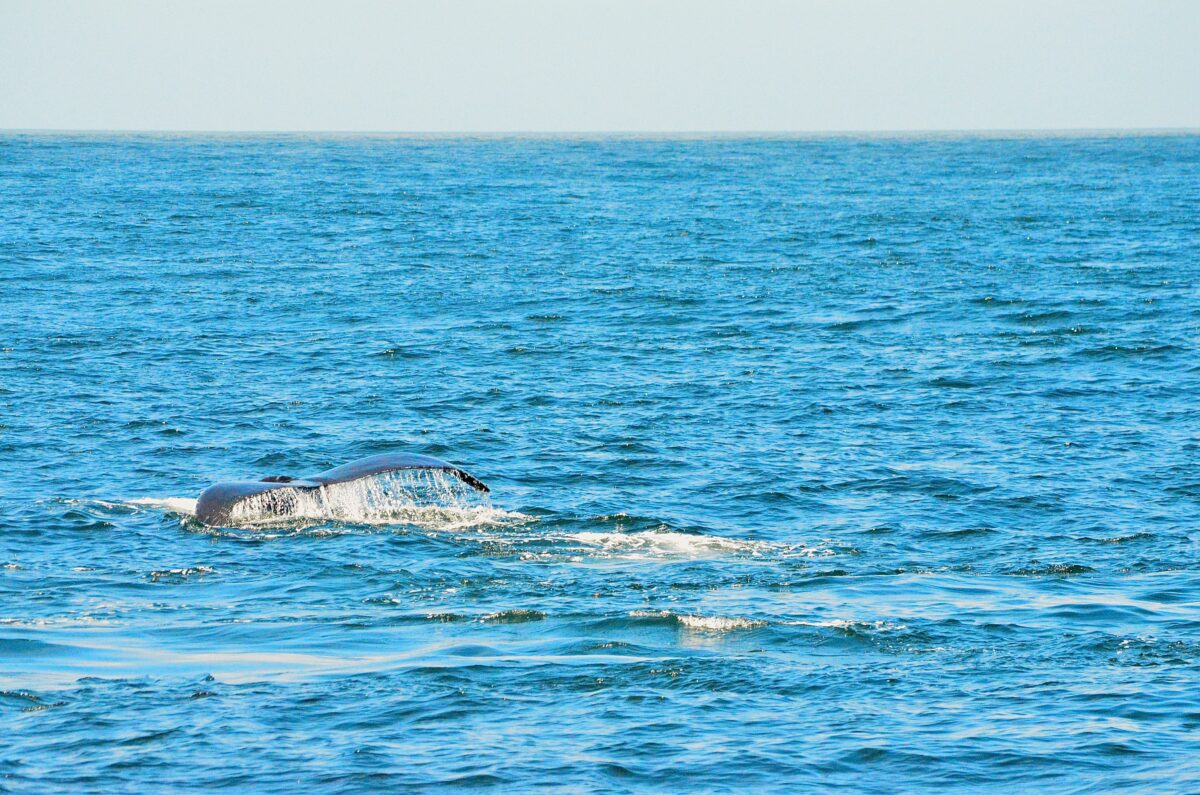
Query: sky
{"type": "Point", "coordinates": [588, 66]}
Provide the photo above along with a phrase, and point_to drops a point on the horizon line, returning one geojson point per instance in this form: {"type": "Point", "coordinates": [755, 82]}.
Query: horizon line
{"type": "Point", "coordinates": [832, 133]}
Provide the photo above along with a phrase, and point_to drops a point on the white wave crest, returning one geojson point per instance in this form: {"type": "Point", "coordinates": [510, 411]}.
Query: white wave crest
{"type": "Point", "coordinates": [702, 623]}
{"type": "Point", "coordinates": [719, 623]}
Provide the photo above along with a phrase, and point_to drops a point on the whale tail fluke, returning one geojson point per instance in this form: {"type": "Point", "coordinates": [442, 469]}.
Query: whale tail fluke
{"type": "Point", "coordinates": [217, 502]}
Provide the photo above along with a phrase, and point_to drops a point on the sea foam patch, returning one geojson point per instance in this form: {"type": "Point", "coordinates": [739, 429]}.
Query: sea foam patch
{"type": "Point", "coordinates": [182, 506]}
{"type": "Point", "coordinates": [660, 544]}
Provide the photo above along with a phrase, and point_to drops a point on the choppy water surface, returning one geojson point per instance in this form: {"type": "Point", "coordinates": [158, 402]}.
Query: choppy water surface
{"type": "Point", "coordinates": [859, 462]}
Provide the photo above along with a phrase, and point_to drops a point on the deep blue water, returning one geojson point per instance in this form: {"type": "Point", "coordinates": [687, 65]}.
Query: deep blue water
{"type": "Point", "coordinates": [855, 462]}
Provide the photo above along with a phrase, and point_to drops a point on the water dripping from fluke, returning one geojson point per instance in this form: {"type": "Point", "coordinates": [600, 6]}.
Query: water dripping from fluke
{"type": "Point", "coordinates": [384, 489]}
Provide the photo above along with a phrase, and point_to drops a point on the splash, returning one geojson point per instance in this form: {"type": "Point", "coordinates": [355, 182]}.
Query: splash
{"type": "Point", "coordinates": [669, 544]}
{"type": "Point", "coordinates": [179, 575]}
{"type": "Point", "coordinates": [719, 623]}
{"type": "Point", "coordinates": [426, 498]}
{"type": "Point", "coordinates": [183, 506]}
{"type": "Point", "coordinates": [429, 499]}
{"type": "Point", "coordinates": [701, 623]}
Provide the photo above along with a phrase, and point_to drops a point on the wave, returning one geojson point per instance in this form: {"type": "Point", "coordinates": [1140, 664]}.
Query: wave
{"type": "Point", "coordinates": [179, 575]}
{"type": "Point", "coordinates": [517, 616]}
{"type": "Point", "coordinates": [58, 622]}
{"type": "Point", "coordinates": [715, 623]}
{"type": "Point", "coordinates": [851, 626]}
{"type": "Point", "coordinates": [701, 623]}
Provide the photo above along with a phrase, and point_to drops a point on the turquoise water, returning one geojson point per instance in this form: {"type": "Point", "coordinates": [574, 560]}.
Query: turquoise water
{"type": "Point", "coordinates": [856, 462]}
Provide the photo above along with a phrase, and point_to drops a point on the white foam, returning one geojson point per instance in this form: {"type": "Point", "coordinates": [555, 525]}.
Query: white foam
{"type": "Point", "coordinates": [666, 544]}
{"type": "Point", "coordinates": [702, 623]}
{"type": "Point", "coordinates": [656, 544]}
{"type": "Point", "coordinates": [184, 506]}
{"type": "Point", "coordinates": [57, 621]}
{"type": "Point", "coordinates": [719, 623]}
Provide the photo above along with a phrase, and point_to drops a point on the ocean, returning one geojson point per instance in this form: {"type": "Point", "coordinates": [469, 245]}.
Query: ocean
{"type": "Point", "coordinates": [866, 463]}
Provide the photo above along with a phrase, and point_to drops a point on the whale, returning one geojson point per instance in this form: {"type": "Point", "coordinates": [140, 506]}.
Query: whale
{"type": "Point", "coordinates": [218, 502]}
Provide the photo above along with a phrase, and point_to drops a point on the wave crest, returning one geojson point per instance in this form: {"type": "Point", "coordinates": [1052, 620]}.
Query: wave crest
{"type": "Point", "coordinates": [701, 623]}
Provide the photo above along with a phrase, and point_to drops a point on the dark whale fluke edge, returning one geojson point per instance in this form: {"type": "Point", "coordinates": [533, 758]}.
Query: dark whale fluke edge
{"type": "Point", "coordinates": [216, 503]}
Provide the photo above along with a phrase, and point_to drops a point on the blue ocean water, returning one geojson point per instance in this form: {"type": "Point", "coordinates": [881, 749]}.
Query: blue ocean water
{"type": "Point", "coordinates": [815, 462]}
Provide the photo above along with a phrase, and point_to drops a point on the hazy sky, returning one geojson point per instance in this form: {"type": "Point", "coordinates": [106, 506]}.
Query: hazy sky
{"type": "Point", "coordinates": [580, 65]}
